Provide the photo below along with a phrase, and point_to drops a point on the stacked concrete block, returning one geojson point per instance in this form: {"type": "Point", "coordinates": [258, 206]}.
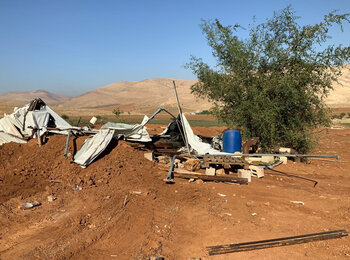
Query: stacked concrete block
{"type": "Point", "coordinates": [246, 174]}
{"type": "Point", "coordinates": [257, 171]}
{"type": "Point", "coordinates": [284, 159]}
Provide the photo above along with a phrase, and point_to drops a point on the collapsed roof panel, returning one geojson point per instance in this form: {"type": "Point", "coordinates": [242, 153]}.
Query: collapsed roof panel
{"type": "Point", "coordinates": [7, 138]}
{"type": "Point", "coordinates": [34, 116]}
{"type": "Point", "coordinates": [7, 126]}
{"type": "Point", "coordinates": [93, 147]}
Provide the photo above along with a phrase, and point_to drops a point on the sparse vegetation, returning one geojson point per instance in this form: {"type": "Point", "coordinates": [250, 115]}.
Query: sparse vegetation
{"type": "Point", "coordinates": [117, 112]}
{"type": "Point", "coordinates": [65, 117]}
{"type": "Point", "coordinates": [272, 84]}
{"type": "Point", "coordinates": [204, 112]}
{"type": "Point", "coordinates": [339, 116]}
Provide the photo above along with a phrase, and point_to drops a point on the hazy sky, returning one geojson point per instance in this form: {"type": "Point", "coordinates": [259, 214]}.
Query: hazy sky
{"type": "Point", "coordinates": [73, 46]}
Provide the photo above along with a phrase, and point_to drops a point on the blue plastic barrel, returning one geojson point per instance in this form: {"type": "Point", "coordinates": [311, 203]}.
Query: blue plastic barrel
{"type": "Point", "coordinates": [232, 140]}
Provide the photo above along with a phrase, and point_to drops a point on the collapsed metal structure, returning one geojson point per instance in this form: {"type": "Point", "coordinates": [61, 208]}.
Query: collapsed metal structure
{"type": "Point", "coordinates": [36, 120]}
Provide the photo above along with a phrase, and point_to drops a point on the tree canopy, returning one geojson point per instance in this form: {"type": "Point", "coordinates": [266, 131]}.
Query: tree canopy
{"type": "Point", "coordinates": [273, 83]}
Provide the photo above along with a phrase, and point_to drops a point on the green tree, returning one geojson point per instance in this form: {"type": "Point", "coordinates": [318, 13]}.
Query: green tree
{"type": "Point", "coordinates": [117, 112]}
{"type": "Point", "coordinates": [273, 83]}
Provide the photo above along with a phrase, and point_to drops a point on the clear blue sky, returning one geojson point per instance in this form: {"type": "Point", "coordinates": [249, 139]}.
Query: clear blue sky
{"type": "Point", "coordinates": [73, 46]}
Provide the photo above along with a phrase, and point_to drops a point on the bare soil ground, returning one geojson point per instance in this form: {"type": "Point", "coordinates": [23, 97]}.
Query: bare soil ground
{"type": "Point", "coordinates": [174, 221]}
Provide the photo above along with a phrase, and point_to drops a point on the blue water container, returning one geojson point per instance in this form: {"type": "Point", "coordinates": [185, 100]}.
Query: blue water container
{"type": "Point", "coordinates": [232, 140]}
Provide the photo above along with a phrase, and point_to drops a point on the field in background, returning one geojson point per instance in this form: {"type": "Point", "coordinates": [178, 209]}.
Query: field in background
{"type": "Point", "coordinates": [74, 114]}
{"type": "Point", "coordinates": [163, 119]}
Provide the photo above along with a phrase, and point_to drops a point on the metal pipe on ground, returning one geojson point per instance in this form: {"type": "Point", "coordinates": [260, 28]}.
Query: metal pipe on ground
{"type": "Point", "coordinates": [285, 155]}
{"type": "Point", "coordinates": [285, 241]}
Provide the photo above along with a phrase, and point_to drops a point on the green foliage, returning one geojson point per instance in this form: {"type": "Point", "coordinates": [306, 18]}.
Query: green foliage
{"type": "Point", "coordinates": [345, 124]}
{"type": "Point", "coordinates": [116, 112]}
{"type": "Point", "coordinates": [334, 116]}
{"type": "Point", "coordinates": [340, 116]}
{"type": "Point", "coordinates": [204, 112]}
{"type": "Point", "coordinates": [272, 84]}
{"type": "Point", "coordinates": [65, 117]}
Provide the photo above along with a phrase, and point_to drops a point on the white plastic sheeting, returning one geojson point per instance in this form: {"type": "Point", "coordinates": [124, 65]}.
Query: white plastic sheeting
{"type": "Point", "coordinates": [93, 147]}
{"type": "Point", "coordinates": [59, 121]}
{"type": "Point", "coordinates": [7, 126]}
{"type": "Point", "coordinates": [22, 122]}
{"type": "Point", "coordinates": [196, 143]}
{"type": "Point", "coordinates": [37, 120]}
{"type": "Point", "coordinates": [136, 132]}
{"type": "Point", "coordinates": [7, 138]}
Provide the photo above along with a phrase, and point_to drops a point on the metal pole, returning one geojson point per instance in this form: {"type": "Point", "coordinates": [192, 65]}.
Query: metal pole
{"type": "Point", "coordinates": [281, 155]}
{"type": "Point", "coordinates": [67, 143]}
{"type": "Point", "coordinates": [284, 241]}
{"type": "Point", "coordinates": [182, 121]}
{"type": "Point", "coordinates": [170, 177]}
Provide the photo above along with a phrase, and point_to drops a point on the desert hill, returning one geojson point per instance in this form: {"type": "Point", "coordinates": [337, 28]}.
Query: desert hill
{"type": "Point", "coordinates": [141, 96]}
{"type": "Point", "coordinates": [340, 96]}
{"type": "Point", "coordinates": [26, 97]}
{"type": "Point", "coordinates": [145, 96]}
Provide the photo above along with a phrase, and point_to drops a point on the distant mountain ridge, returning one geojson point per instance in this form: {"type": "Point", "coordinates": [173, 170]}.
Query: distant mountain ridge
{"type": "Point", "coordinates": [145, 96]}
{"type": "Point", "coordinates": [26, 97]}
{"type": "Point", "coordinates": [141, 96]}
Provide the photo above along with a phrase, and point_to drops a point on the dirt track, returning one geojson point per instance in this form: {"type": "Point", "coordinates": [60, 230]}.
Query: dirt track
{"type": "Point", "coordinates": [175, 221]}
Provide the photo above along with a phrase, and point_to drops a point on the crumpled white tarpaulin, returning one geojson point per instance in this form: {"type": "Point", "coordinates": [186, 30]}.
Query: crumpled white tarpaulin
{"type": "Point", "coordinates": [196, 143]}
{"type": "Point", "coordinates": [94, 146]}
{"type": "Point", "coordinates": [22, 122]}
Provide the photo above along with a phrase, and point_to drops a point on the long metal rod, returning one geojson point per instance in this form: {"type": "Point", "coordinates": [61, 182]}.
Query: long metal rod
{"type": "Point", "coordinates": [292, 175]}
{"type": "Point", "coordinates": [182, 121]}
{"type": "Point", "coordinates": [321, 159]}
{"type": "Point", "coordinates": [230, 248]}
{"type": "Point", "coordinates": [170, 177]}
{"type": "Point", "coordinates": [280, 155]}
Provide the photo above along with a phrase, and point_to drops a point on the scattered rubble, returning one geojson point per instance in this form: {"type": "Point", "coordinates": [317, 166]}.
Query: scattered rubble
{"type": "Point", "coordinates": [190, 157]}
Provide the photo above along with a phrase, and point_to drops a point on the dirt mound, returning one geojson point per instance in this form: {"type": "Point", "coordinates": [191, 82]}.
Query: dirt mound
{"type": "Point", "coordinates": [125, 211]}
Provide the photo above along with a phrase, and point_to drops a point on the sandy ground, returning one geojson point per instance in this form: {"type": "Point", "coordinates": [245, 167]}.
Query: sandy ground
{"type": "Point", "coordinates": [126, 211]}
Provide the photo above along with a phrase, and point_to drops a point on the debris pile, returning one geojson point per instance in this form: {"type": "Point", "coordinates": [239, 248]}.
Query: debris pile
{"type": "Point", "coordinates": [30, 121]}
{"type": "Point", "coordinates": [119, 202]}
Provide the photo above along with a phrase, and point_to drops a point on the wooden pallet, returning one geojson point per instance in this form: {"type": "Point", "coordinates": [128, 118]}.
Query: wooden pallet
{"type": "Point", "coordinates": [223, 160]}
